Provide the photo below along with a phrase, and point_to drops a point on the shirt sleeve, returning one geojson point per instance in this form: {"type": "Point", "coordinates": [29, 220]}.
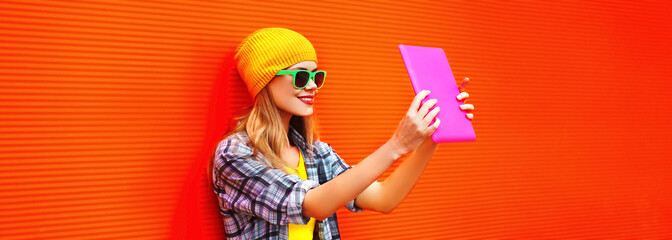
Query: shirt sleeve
{"type": "Point", "coordinates": [254, 189]}
{"type": "Point", "coordinates": [337, 166]}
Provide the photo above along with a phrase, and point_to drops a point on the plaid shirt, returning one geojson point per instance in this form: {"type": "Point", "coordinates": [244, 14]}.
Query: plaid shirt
{"type": "Point", "coordinates": [258, 201]}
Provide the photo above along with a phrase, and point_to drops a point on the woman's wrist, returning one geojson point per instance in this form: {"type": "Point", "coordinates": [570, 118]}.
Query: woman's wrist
{"type": "Point", "coordinates": [428, 144]}
{"type": "Point", "coordinates": [396, 148]}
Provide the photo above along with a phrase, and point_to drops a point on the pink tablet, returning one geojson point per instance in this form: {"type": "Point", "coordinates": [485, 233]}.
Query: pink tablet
{"type": "Point", "coordinates": [429, 70]}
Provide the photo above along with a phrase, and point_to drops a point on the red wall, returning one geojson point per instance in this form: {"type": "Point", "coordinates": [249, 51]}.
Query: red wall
{"type": "Point", "coordinates": [110, 110]}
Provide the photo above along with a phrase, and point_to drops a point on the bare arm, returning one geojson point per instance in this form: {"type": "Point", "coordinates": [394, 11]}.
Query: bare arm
{"type": "Point", "coordinates": [321, 202]}
{"type": "Point", "coordinates": [386, 196]}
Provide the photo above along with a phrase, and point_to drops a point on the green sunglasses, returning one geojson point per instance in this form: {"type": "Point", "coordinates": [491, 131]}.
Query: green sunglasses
{"type": "Point", "coordinates": [300, 78]}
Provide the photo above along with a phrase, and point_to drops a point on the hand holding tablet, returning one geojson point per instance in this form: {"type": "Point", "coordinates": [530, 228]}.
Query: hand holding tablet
{"type": "Point", "coordinates": [417, 124]}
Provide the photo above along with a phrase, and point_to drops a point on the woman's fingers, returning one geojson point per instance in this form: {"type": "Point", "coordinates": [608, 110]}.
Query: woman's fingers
{"type": "Point", "coordinates": [462, 95]}
{"type": "Point", "coordinates": [430, 116]}
{"type": "Point", "coordinates": [417, 100]}
{"type": "Point", "coordinates": [467, 107]}
{"type": "Point", "coordinates": [463, 86]}
{"type": "Point", "coordinates": [431, 129]}
{"type": "Point", "coordinates": [425, 108]}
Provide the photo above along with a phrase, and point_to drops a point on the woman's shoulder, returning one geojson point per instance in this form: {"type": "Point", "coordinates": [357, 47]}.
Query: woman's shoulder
{"type": "Point", "coordinates": [327, 157]}
{"type": "Point", "coordinates": [235, 145]}
{"type": "Point", "coordinates": [322, 148]}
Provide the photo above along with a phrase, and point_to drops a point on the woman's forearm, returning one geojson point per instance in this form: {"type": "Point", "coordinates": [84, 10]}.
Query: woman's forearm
{"type": "Point", "coordinates": [396, 187]}
{"type": "Point", "coordinates": [321, 202]}
{"type": "Point", "coordinates": [385, 196]}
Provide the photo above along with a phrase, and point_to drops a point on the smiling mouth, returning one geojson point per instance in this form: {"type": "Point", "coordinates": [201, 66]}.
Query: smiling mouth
{"type": "Point", "coordinates": [306, 100]}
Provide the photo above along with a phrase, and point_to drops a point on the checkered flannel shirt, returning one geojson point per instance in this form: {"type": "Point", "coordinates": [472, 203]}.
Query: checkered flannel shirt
{"type": "Point", "coordinates": [257, 201]}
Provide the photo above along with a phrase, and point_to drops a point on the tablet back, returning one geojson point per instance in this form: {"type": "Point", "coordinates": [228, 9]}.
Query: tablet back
{"type": "Point", "coordinates": [429, 70]}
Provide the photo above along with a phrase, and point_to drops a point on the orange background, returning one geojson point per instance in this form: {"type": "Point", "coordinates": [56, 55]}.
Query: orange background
{"type": "Point", "coordinates": [110, 110]}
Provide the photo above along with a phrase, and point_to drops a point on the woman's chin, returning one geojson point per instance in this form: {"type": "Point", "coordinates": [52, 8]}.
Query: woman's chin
{"type": "Point", "coordinates": [306, 113]}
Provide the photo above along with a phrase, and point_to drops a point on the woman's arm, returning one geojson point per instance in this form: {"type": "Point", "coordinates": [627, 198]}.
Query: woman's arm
{"type": "Point", "coordinates": [386, 196]}
{"type": "Point", "coordinates": [321, 202]}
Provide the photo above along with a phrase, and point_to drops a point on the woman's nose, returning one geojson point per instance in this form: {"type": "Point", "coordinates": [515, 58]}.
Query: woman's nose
{"type": "Point", "coordinates": [311, 84]}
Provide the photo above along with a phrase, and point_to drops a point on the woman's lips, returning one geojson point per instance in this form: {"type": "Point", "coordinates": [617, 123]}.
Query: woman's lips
{"type": "Point", "coordinates": [306, 100]}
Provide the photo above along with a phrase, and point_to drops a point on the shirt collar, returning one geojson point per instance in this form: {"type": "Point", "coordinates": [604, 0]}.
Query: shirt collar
{"type": "Point", "coordinates": [296, 138]}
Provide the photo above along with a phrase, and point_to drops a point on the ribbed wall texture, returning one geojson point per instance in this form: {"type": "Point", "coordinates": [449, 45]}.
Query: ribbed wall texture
{"type": "Point", "coordinates": [110, 110]}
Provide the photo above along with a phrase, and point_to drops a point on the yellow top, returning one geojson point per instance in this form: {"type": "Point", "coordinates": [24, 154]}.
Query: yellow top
{"type": "Point", "coordinates": [301, 231]}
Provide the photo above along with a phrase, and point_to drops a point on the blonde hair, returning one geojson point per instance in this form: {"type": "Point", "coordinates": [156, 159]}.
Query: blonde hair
{"type": "Point", "coordinates": [263, 125]}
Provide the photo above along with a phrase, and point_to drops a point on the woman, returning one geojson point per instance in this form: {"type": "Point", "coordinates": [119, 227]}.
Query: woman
{"type": "Point", "coordinates": [275, 180]}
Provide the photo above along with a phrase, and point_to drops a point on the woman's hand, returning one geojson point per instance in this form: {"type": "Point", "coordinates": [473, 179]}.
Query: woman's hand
{"type": "Point", "coordinates": [415, 127]}
{"type": "Point", "coordinates": [464, 95]}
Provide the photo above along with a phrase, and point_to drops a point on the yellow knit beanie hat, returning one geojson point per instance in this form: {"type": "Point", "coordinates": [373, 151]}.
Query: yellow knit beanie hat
{"type": "Point", "coordinates": [268, 50]}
